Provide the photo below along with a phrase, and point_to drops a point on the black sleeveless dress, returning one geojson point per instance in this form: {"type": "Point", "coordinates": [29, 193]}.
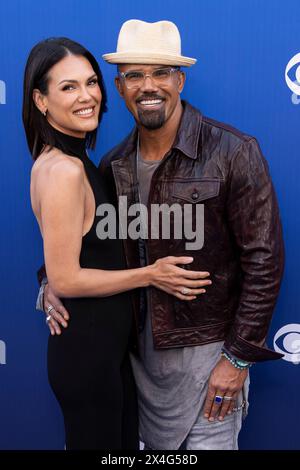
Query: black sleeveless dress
{"type": "Point", "coordinates": [88, 364]}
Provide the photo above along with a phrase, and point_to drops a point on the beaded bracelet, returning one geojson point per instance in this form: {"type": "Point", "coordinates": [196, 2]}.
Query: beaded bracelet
{"type": "Point", "coordinates": [235, 362]}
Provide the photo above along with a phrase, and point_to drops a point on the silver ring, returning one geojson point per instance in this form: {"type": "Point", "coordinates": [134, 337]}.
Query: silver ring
{"type": "Point", "coordinates": [225, 398]}
{"type": "Point", "coordinates": [48, 318]}
{"type": "Point", "coordinates": [50, 308]}
{"type": "Point", "coordinates": [185, 291]}
{"type": "Point", "coordinates": [238, 408]}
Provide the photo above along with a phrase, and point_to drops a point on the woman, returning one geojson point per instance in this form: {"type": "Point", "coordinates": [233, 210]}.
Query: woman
{"type": "Point", "coordinates": [88, 365]}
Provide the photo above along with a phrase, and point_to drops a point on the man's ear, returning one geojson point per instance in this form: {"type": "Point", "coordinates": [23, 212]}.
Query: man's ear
{"type": "Point", "coordinates": [40, 101]}
{"type": "Point", "coordinates": [119, 86]}
{"type": "Point", "coordinates": [181, 80]}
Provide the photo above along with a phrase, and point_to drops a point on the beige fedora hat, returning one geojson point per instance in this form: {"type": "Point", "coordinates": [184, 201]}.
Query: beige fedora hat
{"type": "Point", "coordinates": [140, 42]}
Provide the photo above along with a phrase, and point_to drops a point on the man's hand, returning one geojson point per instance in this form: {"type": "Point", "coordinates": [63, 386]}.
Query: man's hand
{"type": "Point", "coordinates": [225, 381]}
{"type": "Point", "coordinates": [59, 315]}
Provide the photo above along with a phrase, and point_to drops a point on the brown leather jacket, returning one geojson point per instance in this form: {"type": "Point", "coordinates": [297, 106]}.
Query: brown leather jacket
{"type": "Point", "coordinates": [218, 166]}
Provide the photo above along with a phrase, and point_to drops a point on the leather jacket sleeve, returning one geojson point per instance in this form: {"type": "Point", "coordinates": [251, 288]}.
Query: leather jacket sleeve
{"type": "Point", "coordinates": [253, 218]}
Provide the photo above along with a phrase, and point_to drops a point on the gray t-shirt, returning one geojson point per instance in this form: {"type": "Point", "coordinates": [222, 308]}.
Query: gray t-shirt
{"type": "Point", "coordinates": [145, 170]}
{"type": "Point", "coordinates": [171, 383]}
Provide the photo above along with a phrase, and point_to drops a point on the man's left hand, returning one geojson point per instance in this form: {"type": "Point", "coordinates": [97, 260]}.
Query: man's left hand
{"type": "Point", "coordinates": [225, 381]}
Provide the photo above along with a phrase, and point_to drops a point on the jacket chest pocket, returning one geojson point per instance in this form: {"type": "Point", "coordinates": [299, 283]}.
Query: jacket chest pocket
{"type": "Point", "coordinates": [195, 191]}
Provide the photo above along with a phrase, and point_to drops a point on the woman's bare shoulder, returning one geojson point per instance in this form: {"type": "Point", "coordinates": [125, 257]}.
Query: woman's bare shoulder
{"type": "Point", "coordinates": [56, 178]}
{"type": "Point", "coordinates": [56, 164]}
{"type": "Point", "coordinates": [55, 173]}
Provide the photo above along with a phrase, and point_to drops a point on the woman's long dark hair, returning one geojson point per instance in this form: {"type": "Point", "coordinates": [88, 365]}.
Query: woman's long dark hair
{"type": "Point", "coordinates": [41, 59]}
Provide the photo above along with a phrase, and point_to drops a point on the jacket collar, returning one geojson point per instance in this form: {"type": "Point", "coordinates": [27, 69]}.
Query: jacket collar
{"type": "Point", "coordinates": [187, 137]}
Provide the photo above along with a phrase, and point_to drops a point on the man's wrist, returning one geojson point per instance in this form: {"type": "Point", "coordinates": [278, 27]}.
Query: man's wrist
{"type": "Point", "coordinates": [237, 363]}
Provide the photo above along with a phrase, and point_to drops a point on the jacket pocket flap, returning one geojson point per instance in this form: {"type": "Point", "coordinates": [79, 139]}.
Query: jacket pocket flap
{"type": "Point", "coordinates": [197, 190]}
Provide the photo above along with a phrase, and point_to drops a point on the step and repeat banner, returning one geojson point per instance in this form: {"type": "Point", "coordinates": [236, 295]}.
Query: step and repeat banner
{"type": "Point", "coordinates": [247, 75]}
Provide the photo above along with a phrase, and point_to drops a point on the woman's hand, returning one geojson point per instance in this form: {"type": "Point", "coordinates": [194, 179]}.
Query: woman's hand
{"type": "Point", "coordinates": [182, 283]}
{"type": "Point", "coordinates": [56, 314]}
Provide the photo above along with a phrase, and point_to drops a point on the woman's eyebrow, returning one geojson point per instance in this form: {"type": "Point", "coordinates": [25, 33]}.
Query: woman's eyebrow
{"type": "Point", "coordinates": [76, 81]}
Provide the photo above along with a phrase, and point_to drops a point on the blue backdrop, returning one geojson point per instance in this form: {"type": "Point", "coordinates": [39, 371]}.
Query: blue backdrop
{"type": "Point", "coordinates": [243, 49]}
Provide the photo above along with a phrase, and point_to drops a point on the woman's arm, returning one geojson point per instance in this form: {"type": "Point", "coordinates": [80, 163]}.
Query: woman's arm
{"type": "Point", "coordinates": [61, 202]}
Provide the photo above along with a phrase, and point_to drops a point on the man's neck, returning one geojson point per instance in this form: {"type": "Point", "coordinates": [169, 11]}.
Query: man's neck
{"type": "Point", "coordinates": [154, 144]}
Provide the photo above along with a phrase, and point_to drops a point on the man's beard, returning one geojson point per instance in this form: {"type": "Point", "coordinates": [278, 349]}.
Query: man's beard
{"type": "Point", "coordinates": [151, 119]}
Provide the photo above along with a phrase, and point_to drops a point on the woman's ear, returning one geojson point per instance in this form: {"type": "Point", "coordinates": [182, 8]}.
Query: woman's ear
{"type": "Point", "coordinates": [40, 101]}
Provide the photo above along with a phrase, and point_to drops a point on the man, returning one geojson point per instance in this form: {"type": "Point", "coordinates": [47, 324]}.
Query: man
{"type": "Point", "coordinates": [193, 361]}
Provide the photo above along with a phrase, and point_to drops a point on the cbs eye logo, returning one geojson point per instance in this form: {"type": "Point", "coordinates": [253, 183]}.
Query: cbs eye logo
{"type": "Point", "coordinates": [293, 82]}
{"type": "Point", "coordinates": [287, 342]}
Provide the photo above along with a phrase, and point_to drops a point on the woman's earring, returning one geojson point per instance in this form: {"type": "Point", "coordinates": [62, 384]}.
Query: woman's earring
{"type": "Point", "coordinates": [45, 112]}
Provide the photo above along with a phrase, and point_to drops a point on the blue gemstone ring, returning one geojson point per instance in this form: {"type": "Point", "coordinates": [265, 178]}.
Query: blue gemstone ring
{"type": "Point", "coordinates": [218, 399]}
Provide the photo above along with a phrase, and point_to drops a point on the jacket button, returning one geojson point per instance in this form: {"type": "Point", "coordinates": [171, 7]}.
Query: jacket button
{"type": "Point", "coordinates": [195, 195]}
